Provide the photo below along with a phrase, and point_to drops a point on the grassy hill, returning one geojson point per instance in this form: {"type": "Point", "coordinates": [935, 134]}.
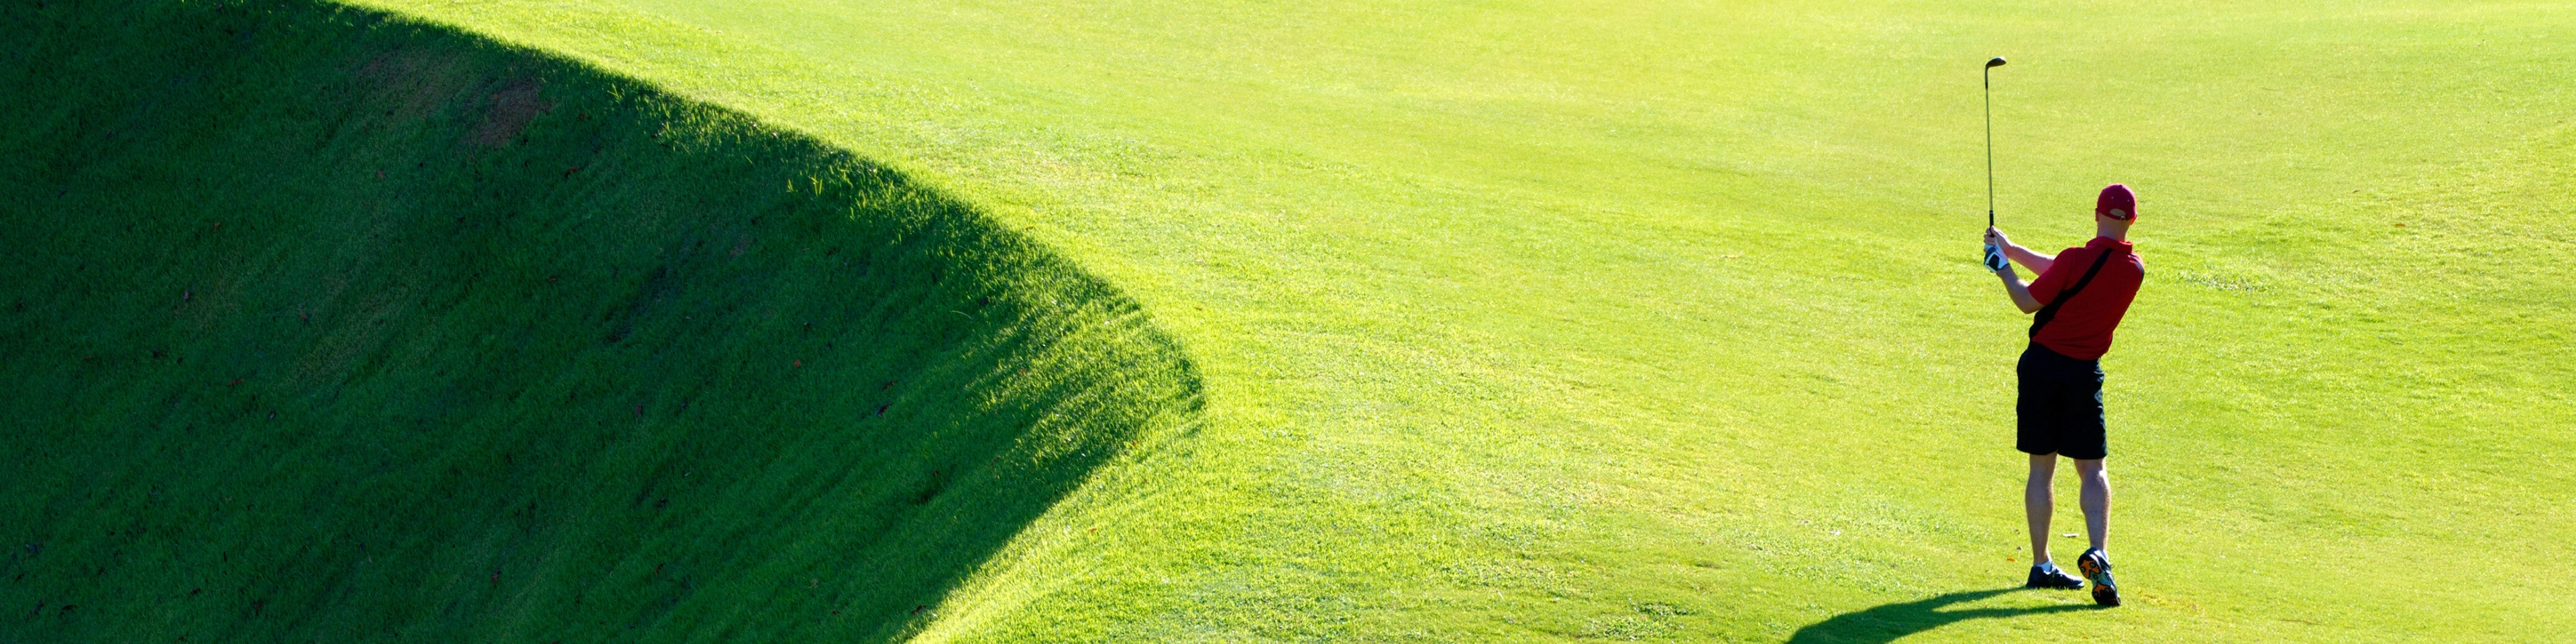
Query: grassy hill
{"type": "Point", "coordinates": [1547, 321]}
{"type": "Point", "coordinates": [325, 326]}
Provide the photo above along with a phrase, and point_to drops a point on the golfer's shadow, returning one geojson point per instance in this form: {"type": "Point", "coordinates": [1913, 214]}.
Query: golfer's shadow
{"type": "Point", "coordinates": [1886, 623]}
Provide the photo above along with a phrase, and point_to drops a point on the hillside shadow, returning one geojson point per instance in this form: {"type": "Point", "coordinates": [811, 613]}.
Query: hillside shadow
{"type": "Point", "coordinates": [1889, 622]}
{"type": "Point", "coordinates": [322, 324]}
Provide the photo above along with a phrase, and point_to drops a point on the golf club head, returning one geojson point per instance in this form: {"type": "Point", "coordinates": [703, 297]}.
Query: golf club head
{"type": "Point", "coordinates": [1997, 62]}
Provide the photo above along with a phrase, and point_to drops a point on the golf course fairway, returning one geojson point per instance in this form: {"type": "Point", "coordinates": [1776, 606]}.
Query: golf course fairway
{"type": "Point", "coordinates": [1229, 321]}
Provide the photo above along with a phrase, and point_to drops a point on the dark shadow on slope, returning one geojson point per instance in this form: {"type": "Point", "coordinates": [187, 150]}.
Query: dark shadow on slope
{"type": "Point", "coordinates": [1887, 623]}
{"type": "Point", "coordinates": [319, 324]}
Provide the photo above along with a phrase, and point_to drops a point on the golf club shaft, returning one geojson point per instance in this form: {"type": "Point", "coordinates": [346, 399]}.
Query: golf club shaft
{"type": "Point", "coordinates": [1989, 84]}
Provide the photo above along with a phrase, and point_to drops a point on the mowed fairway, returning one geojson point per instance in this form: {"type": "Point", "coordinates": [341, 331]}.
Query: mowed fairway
{"type": "Point", "coordinates": [1536, 321]}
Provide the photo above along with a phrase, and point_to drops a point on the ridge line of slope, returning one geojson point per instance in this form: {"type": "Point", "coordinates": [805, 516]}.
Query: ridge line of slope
{"type": "Point", "coordinates": [453, 266]}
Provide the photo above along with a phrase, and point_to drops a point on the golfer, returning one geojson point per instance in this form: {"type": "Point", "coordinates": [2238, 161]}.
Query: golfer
{"type": "Point", "coordinates": [2077, 300]}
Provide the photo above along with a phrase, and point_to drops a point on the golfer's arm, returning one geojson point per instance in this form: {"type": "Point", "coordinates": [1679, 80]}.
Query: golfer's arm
{"type": "Point", "coordinates": [2020, 292]}
{"type": "Point", "coordinates": [2029, 259]}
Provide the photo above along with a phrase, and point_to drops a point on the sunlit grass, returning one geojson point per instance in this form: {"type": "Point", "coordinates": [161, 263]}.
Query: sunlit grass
{"type": "Point", "coordinates": [1557, 320]}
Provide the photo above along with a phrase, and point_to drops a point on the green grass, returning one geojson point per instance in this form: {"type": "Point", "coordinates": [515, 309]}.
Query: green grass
{"type": "Point", "coordinates": [326, 327]}
{"type": "Point", "coordinates": [1538, 321]}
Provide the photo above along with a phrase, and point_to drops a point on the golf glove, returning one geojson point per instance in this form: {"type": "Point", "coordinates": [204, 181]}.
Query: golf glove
{"type": "Point", "coordinates": [1995, 259]}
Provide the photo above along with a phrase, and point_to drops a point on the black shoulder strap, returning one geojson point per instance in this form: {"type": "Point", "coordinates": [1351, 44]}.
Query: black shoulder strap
{"type": "Point", "coordinates": [2049, 312]}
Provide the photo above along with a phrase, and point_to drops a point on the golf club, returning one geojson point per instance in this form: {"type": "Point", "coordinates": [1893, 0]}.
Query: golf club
{"type": "Point", "coordinates": [1990, 138]}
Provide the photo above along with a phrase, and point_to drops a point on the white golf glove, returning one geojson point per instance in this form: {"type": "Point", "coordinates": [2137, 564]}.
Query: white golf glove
{"type": "Point", "coordinates": [1995, 259]}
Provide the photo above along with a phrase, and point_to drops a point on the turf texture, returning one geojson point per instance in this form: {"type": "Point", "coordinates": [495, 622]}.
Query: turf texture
{"type": "Point", "coordinates": [1543, 321]}
{"type": "Point", "coordinates": [328, 327]}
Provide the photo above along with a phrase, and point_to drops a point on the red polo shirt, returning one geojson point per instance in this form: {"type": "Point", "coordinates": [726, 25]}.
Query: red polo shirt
{"type": "Point", "coordinates": [2082, 328]}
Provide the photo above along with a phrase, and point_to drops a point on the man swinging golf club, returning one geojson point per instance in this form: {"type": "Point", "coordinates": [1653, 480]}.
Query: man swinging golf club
{"type": "Point", "coordinates": [2077, 301]}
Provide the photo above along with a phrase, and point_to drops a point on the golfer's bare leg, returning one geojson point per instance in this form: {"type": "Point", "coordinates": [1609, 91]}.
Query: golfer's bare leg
{"type": "Point", "coordinates": [2097, 502]}
{"type": "Point", "coordinates": [2039, 501]}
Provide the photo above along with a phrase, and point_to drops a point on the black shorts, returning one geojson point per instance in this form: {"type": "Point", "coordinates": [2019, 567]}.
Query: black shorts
{"type": "Point", "coordinates": [2060, 405]}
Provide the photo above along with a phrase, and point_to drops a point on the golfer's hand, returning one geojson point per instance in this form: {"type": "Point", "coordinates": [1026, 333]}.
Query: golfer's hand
{"type": "Point", "coordinates": [1995, 238]}
{"type": "Point", "coordinates": [1995, 259]}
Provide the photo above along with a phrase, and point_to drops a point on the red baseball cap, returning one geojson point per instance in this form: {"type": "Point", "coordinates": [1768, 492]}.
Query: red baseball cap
{"type": "Point", "coordinates": [2117, 203]}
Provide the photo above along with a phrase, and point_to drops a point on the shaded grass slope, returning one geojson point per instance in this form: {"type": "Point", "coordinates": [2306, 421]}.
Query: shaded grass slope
{"type": "Point", "coordinates": [323, 325]}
